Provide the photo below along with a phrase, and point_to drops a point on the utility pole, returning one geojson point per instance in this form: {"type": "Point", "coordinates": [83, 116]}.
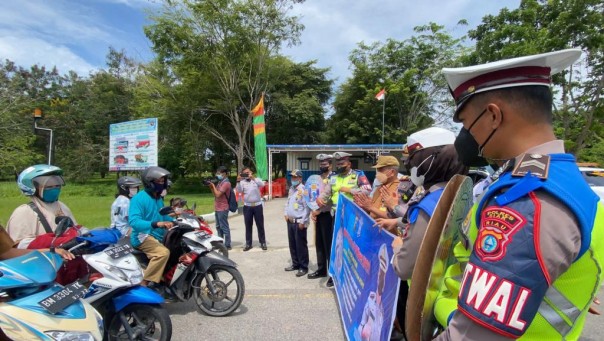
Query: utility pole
{"type": "Point", "coordinates": [37, 117]}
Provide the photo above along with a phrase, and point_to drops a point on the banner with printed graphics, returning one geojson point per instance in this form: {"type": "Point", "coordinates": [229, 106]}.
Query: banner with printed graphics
{"type": "Point", "coordinates": [133, 145]}
{"type": "Point", "coordinates": [365, 282]}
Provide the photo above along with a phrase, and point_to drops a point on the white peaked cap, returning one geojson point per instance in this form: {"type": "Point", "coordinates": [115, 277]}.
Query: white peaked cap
{"type": "Point", "coordinates": [528, 70]}
{"type": "Point", "coordinates": [430, 137]}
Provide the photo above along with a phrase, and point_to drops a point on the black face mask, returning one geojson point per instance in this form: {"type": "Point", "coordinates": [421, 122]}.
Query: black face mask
{"type": "Point", "coordinates": [341, 170]}
{"type": "Point", "coordinates": [324, 169]}
{"type": "Point", "coordinates": [468, 150]}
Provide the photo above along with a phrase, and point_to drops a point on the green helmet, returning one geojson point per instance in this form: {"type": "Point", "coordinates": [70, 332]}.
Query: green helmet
{"type": "Point", "coordinates": [25, 179]}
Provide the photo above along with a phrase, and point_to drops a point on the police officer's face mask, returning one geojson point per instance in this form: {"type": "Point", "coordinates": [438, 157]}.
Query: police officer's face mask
{"type": "Point", "coordinates": [342, 168]}
{"type": "Point", "coordinates": [418, 180]}
{"type": "Point", "coordinates": [468, 150]}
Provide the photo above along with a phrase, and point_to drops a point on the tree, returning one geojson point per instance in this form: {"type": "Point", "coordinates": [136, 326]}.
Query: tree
{"type": "Point", "coordinates": [539, 26]}
{"type": "Point", "coordinates": [21, 91]}
{"type": "Point", "coordinates": [409, 70]}
{"type": "Point", "coordinates": [224, 46]}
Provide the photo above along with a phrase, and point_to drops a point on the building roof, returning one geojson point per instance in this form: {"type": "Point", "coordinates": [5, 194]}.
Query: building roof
{"type": "Point", "coordinates": [335, 147]}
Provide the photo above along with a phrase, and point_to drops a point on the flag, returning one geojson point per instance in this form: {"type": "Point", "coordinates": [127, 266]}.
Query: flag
{"type": "Point", "coordinates": [381, 95]}
{"type": "Point", "coordinates": [260, 139]}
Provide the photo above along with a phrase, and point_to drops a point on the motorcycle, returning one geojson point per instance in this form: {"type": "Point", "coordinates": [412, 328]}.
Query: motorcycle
{"type": "Point", "coordinates": [33, 307]}
{"type": "Point", "coordinates": [189, 217]}
{"type": "Point", "coordinates": [130, 311]}
{"type": "Point", "coordinates": [193, 270]}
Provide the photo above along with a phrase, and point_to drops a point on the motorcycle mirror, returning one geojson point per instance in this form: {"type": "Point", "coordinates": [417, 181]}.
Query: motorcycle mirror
{"type": "Point", "coordinates": [166, 210]}
{"type": "Point", "coordinates": [62, 226]}
{"type": "Point", "coordinates": [194, 206]}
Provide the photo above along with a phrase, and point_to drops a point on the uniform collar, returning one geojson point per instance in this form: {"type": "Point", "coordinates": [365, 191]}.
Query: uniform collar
{"type": "Point", "coordinates": [551, 147]}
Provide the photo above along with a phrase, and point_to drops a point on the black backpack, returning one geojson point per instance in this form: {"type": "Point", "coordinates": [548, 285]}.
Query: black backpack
{"type": "Point", "coordinates": [232, 200]}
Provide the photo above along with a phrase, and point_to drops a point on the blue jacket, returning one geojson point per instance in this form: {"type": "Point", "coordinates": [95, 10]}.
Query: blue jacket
{"type": "Point", "coordinates": [143, 212]}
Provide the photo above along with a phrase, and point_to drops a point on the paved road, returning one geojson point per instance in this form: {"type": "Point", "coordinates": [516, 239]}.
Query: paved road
{"type": "Point", "coordinates": [277, 304]}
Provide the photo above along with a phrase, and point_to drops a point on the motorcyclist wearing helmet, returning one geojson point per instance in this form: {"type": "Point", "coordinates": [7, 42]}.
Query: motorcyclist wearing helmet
{"type": "Point", "coordinates": [148, 225]}
{"type": "Point", "coordinates": [42, 183]}
{"type": "Point", "coordinates": [127, 188]}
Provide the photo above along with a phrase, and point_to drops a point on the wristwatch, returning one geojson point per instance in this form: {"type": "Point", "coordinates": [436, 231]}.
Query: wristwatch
{"type": "Point", "coordinates": [52, 249]}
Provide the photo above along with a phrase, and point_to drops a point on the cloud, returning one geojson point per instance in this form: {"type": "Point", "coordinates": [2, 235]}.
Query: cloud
{"type": "Point", "coordinates": [334, 28]}
{"type": "Point", "coordinates": [27, 51]}
{"type": "Point", "coordinates": [71, 35]}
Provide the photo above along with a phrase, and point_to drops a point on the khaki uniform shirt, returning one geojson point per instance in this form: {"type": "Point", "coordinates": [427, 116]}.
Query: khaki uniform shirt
{"type": "Point", "coordinates": [24, 224]}
{"type": "Point", "coordinates": [560, 241]}
{"type": "Point", "coordinates": [405, 256]}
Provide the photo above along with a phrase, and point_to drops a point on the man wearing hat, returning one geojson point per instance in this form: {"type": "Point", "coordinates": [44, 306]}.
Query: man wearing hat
{"type": "Point", "coordinates": [536, 234]}
{"type": "Point", "coordinates": [297, 215]}
{"type": "Point", "coordinates": [347, 181]}
{"type": "Point", "coordinates": [323, 221]}
{"type": "Point", "coordinates": [388, 182]}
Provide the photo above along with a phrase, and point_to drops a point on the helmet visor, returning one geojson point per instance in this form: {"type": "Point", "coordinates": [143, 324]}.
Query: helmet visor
{"type": "Point", "coordinates": [48, 181]}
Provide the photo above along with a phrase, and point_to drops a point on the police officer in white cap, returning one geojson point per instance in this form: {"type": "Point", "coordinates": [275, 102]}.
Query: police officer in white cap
{"type": "Point", "coordinates": [323, 221]}
{"type": "Point", "coordinates": [536, 256]}
{"type": "Point", "coordinates": [347, 181]}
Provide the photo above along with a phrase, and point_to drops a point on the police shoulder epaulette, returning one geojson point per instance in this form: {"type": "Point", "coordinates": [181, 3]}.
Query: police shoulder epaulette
{"type": "Point", "coordinates": [535, 164]}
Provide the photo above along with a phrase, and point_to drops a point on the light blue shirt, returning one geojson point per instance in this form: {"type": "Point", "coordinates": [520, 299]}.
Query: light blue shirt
{"type": "Point", "coordinates": [296, 207]}
{"type": "Point", "coordinates": [250, 190]}
{"type": "Point", "coordinates": [119, 214]}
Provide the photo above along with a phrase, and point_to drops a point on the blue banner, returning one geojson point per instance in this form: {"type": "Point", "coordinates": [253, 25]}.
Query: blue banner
{"type": "Point", "coordinates": [365, 282]}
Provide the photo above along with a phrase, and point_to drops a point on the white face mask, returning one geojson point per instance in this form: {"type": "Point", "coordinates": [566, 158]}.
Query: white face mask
{"type": "Point", "coordinates": [418, 180]}
{"type": "Point", "coordinates": [178, 210]}
{"type": "Point", "coordinates": [133, 191]}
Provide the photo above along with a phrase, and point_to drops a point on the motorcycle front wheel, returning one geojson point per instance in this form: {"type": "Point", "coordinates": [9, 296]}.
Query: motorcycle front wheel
{"type": "Point", "coordinates": [146, 322]}
{"type": "Point", "coordinates": [220, 248]}
{"type": "Point", "coordinates": [228, 287]}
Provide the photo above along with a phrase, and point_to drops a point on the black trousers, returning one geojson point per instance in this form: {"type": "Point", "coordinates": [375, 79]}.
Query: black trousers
{"type": "Point", "coordinates": [324, 236]}
{"type": "Point", "coordinates": [298, 245]}
{"type": "Point", "coordinates": [255, 213]}
{"type": "Point", "coordinates": [401, 307]}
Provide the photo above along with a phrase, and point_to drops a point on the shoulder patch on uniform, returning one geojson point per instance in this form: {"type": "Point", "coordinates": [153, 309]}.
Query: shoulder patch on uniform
{"type": "Point", "coordinates": [536, 164]}
{"type": "Point", "coordinates": [497, 227]}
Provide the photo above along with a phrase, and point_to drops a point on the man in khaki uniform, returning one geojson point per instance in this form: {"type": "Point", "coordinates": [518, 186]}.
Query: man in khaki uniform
{"type": "Point", "coordinates": [42, 183]}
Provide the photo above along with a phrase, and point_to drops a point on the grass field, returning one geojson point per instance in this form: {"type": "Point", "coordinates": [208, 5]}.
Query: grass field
{"type": "Point", "coordinates": [91, 202]}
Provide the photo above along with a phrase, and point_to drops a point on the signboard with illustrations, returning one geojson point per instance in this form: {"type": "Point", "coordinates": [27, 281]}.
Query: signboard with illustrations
{"type": "Point", "coordinates": [133, 145]}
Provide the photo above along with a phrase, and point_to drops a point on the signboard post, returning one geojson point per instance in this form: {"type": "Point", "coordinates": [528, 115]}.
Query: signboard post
{"type": "Point", "coordinates": [133, 145]}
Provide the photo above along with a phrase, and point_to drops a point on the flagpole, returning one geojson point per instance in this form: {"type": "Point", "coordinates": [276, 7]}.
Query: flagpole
{"type": "Point", "coordinates": [383, 115]}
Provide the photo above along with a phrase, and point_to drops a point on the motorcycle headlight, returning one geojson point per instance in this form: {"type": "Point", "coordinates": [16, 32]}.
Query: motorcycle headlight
{"type": "Point", "coordinates": [59, 335]}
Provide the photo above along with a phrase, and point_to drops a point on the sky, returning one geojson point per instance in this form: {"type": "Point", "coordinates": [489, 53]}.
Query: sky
{"type": "Point", "coordinates": [76, 34]}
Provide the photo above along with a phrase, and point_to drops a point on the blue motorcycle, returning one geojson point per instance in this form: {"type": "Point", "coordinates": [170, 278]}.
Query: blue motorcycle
{"type": "Point", "coordinates": [131, 311]}
{"type": "Point", "coordinates": [33, 307]}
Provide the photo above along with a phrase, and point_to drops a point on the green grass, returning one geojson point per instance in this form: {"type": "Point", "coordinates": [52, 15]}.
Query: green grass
{"type": "Point", "coordinates": [91, 202]}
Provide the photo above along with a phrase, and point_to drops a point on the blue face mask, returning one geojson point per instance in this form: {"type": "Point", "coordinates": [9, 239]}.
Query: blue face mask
{"type": "Point", "coordinates": [219, 176]}
{"type": "Point", "coordinates": [295, 182]}
{"type": "Point", "coordinates": [51, 195]}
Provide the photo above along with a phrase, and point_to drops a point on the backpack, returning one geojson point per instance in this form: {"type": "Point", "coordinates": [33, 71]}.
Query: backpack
{"type": "Point", "coordinates": [232, 200]}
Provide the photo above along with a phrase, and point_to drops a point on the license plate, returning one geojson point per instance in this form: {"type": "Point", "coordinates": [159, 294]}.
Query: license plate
{"type": "Point", "coordinates": [63, 298]}
{"type": "Point", "coordinates": [202, 235]}
{"type": "Point", "coordinates": [119, 251]}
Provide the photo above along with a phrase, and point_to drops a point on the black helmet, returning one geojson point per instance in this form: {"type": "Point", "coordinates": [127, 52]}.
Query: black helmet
{"type": "Point", "coordinates": [153, 173]}
{"type": "Point", "coordinates": [125, 182]}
